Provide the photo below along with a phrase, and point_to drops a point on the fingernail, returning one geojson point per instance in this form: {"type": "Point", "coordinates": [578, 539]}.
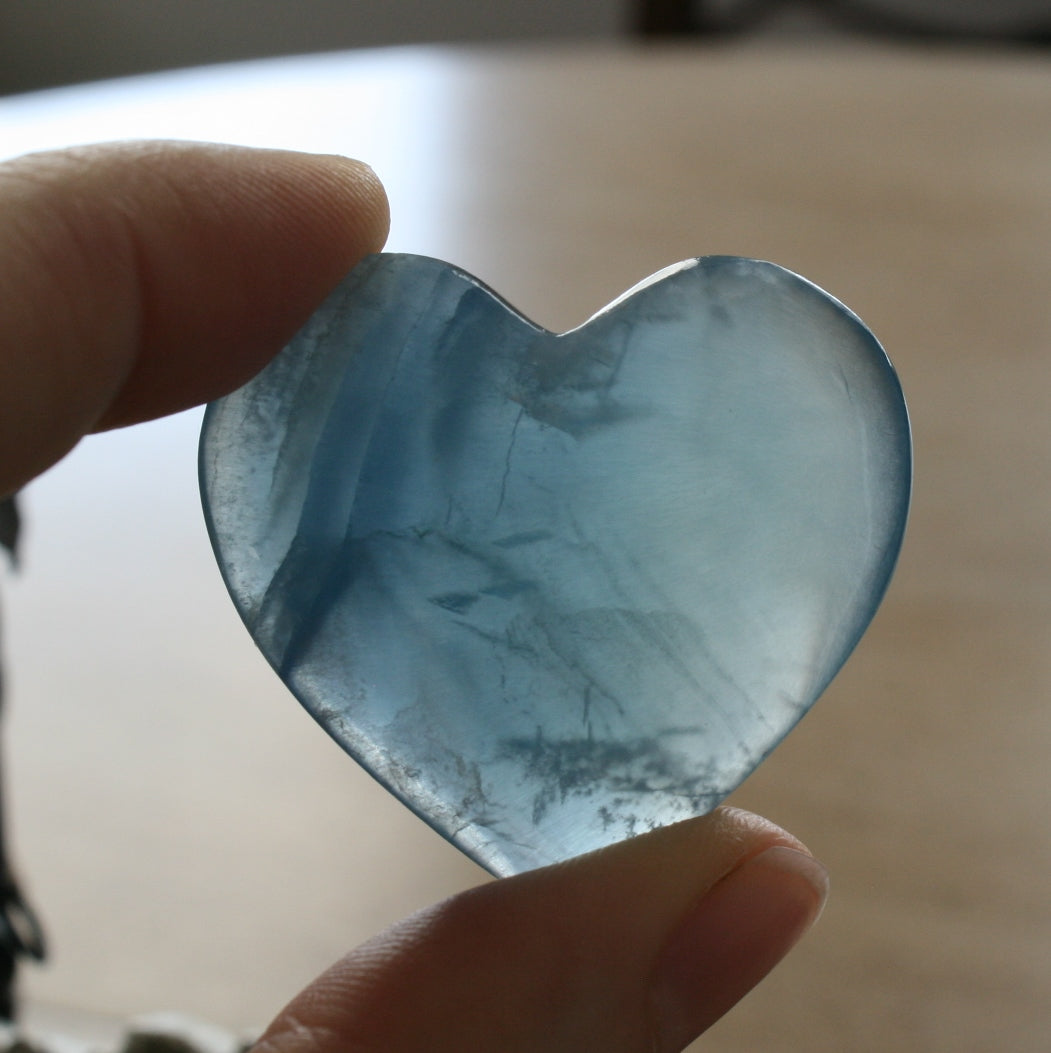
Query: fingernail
{"type": "Point", "coordinates": [731, 938]}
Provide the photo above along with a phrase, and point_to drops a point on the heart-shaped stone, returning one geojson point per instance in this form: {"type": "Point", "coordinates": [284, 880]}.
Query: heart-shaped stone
{"type": "Point", "coordinates": [557, 590]}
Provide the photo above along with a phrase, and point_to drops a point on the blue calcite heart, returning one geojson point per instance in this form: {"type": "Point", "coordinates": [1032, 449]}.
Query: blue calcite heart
{"type": "Point", "coordinates": [557, 590]}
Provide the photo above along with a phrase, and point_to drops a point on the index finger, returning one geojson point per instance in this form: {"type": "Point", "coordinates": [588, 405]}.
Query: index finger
{"type": "Point", "coordinates": [140, 279]}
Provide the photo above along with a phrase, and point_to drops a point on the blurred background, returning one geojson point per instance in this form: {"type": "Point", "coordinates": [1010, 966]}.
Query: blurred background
{"type": "Point", "coordinates": [193, 841]}
{"type": "Point", "coordinates": [48, 42]}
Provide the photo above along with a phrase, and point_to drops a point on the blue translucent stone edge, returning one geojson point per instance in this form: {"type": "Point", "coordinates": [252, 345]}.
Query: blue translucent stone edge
{"type": "Point", "coordinates": [889, 560]}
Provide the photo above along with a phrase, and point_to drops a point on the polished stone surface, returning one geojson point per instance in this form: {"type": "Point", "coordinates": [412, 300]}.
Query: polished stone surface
{"type": "Point", "coordinates": [556, 590]}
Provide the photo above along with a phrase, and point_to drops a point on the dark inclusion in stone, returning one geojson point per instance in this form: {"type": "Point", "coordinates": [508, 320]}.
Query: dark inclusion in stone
{"type": "Point", "coordinates": [556, 590]}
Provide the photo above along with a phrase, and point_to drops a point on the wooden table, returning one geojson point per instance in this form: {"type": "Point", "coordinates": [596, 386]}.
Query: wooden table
{"type": "Point", "coordinates": [194, 841]}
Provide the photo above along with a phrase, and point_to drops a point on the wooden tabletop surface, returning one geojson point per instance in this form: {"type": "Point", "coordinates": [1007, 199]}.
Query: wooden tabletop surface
{"type": "Point", "coordinates": [194, 841]}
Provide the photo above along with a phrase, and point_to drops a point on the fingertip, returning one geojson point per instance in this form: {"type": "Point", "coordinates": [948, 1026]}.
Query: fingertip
{"type": "Point", "coordinates": [365, 194]}
{"type": "Point", "coordinates": [729, 940]}
{"type": "Point", "coordinates": [253, 242]}
{"type": "Point", "coordinates": [143, 278]}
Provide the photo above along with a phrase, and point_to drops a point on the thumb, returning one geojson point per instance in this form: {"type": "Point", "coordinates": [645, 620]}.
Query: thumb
{"type": "Point", "coordinates": [634, 949]}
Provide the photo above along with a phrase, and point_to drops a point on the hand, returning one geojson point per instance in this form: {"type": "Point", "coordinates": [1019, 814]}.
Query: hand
{"type": "Point", "coordinates": [141, 279]}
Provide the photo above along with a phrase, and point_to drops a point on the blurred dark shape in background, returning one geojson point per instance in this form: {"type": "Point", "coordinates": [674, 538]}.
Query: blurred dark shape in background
{"type": "Point", "coordinates": [9, 523]}
{"type": "Point", "coordinates": [52, 42]}
{"type": "Point", "coordinates": [1026, 22]}
{"type": "Point", "coordinates": [20, 933]}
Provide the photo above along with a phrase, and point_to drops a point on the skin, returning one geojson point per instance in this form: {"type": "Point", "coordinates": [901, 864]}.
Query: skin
{"type": "Point", "coordinates": [140, 279]}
